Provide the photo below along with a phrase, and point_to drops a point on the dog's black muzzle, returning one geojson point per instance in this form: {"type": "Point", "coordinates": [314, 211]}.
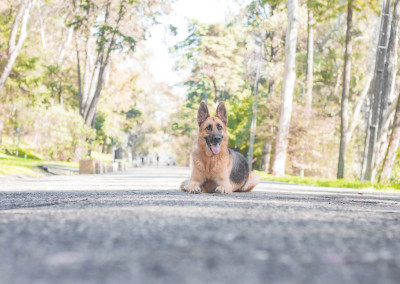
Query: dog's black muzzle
{"type": "Point", "coordinates": [216, 139]}
{"type": "Point", "coordinates": [214, 142]}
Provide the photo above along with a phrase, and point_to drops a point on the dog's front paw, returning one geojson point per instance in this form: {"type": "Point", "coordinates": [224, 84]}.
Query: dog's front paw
{"type": "Point", "coordinates": [194, 189]}
{"type": "Point", "coordinates": [187, 186]}
{"type": "Point", "coordinates": [221, 189]}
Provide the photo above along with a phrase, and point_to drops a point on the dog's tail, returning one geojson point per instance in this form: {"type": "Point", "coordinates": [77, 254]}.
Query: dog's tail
{"type": "Point", "coordinates": [252, 180]}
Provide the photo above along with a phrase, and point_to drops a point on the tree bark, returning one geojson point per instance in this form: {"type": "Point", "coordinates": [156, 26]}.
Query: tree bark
{"type": "Point", "coordinates": [253, 127]}
{"type": "Point", "coordinates": [310, 60]}
{"type": "Point", "coordinates": [65, 45]}
{"type": "Point", "coordinates": [86, 77]}
{"type": "Point", "coordinates": [373, 123]}
{"type": "Point", "coordinates": [102, 62]}
{"type": "Point", "coordinates": [90, 101]}
{"type": "Point", "coordinates": [271, 81]}
{"type": "Point", "coordinates": [42, 26]}
{"type": "Point", "coordinates": [215, 90]}
{"type": "Point", "coordinates": [289, 79]}
{"type": "Point", "coordinates": [1, 131]}
{"type": "Point", "coordinates": [393, 147]}
{"type": "Point", "coordinates": [356, 111]}
{"type": "Point", "coordinates": [13, 46]}
{"type": "Point", "coordinates": [389, 75]}
{"type": "Point", "coordinates": [267, 156]}
{"type": "Point", "coordinates": [344, 123]}
{"type": "Point", "coordinates": [92, 107]}
{"type": "Point", "coordinates": [79, 75]}
{"type": "Point", "coordinates": [388, 88]}
{"type": "Point", "coordinates": [390, 71]}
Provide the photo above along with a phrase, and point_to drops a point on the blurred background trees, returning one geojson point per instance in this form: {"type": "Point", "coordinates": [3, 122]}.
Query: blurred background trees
{"type": "Point", "coordinates": [74, 77]}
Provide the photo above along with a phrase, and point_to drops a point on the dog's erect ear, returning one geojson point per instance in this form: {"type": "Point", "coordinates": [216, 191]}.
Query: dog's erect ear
{"type": "Point", "coordinates": [202, 114]}
{"type": "Point", "coordinates": [222, 113]}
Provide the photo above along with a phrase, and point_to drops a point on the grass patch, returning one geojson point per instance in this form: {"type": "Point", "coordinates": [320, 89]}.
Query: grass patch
{"type": "Point", "coordinates": [23, 161]}
{"type": "Point", "coordinates": [101, 156]}
{"type": "Point", "coordinates": [16, 166]}
{"type": "Point", "coordinates": [344, 183]}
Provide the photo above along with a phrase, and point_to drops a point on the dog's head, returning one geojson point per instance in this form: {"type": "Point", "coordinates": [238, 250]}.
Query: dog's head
{"type": "Point", "coordinates": [213, 130]}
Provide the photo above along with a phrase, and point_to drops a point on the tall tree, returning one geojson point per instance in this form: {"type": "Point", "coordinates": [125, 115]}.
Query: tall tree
{"type": "Point", "coordinates": [390, 71]}
{"type": "Point", "coordinates": [310, 57]}
{"type": "Point", "coordinates": [213, 53]}
{"type": "Point", "coordinates": [289, 78]}
{"type": "Point", "coordinates": [388, 86]}
{"type": "Point", "coordinates": [344, 124]}
{"type": "Point", "coordinates": [255, 69]}
{"type": "Point", "coordinates": [394, 142]}
{"type": "Point", "coordinates": [14, 46]}
{"type": "Point", "coordinates": [255, 58]}
{"type": "Point", "coordinates": [375, 99]}
{"type": "Point", "coordinates": [116, 29]}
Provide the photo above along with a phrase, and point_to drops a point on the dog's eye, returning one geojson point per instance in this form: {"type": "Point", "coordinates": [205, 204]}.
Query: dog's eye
{"type": "Point", "coordinates": [209, 128]}
{"type": "Point", "coordinates": [219, 127]}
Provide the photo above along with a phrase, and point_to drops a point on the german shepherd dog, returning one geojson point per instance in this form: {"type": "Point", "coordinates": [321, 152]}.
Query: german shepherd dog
{"type": "Point", "coordinates": [216, 168]}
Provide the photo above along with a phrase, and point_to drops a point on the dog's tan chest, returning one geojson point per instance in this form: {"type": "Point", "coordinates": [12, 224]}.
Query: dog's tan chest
{"type": "Point", "coordinates": [211, 166]}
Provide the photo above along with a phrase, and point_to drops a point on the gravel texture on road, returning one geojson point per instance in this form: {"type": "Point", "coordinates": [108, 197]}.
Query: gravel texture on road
{"type": "Point", "coordinates": [136, 227]}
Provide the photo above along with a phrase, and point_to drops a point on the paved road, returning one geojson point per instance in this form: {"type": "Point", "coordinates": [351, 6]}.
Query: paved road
{"type": "Point", "coordinates": [136, 227]}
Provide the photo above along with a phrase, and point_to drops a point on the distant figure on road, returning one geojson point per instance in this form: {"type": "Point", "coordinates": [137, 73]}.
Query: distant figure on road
{"type": "Point", "coordinates": [158, 159]}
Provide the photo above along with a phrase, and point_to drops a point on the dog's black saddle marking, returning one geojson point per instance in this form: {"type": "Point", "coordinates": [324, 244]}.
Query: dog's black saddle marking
{"type": "Point", "coordinates": [240, 168]}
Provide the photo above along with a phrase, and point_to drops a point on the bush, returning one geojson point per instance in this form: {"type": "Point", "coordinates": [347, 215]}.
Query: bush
{"type": "Point", "coordinates": [58, 133]}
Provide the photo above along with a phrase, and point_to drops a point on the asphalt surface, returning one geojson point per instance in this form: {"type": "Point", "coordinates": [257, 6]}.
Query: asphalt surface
{"type": "Point", "coordinates": [136, 227]}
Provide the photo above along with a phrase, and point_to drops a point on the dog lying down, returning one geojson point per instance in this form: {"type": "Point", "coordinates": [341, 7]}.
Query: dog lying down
{"type": "Point", "coordinates": [216, 168]}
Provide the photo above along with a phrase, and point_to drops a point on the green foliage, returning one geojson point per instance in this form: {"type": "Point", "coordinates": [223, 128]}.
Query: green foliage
{"type": "Point", "coordinates": [59, 134]}
{"type": "Point", "coordinates": [213, 54]}
{"type": "Point", "coordinates": [22, 153]}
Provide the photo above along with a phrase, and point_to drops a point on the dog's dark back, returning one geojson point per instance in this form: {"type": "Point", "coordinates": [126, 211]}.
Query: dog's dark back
{"type": "Point", "coordinates": [240, 168]}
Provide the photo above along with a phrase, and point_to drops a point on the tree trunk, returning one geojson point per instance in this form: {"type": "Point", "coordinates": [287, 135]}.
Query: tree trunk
{"type": "Point", "coordinates": [310, 60]}
{"type": "Point", "coordinates": [86, 77]}
{"type": "Point", "coordinates": [253, 130]}
{"type": "Point", "coordinates": [355, 117]}
{"type": "Point", "coordinates": [271, 82]}
{"type": "Point", "coordinates": [388, 88]}
{"type": "Point", "coordinates": [97, 82]}
{"type": "Point", "coordinates": [13, 47]}
{"type": "Point", "coordinates": [42, 26]}
{"type": "Point", "coordinates": [1, 131]}
{"type": "Point", "coordinates": [389, 75]}
{"type": "Point", "coordinates": [267, 156]}
{"type": "Point", "coordinates": [79, 75]}
{"type": "Point", "coordinates": [271, 88]}
{"type": "Point", "coordinates": [255, 104]}
{"type": "Point", "coordinates": [102, 61]}
{"type": "Point", "coordinates": [390, 71]}
{"type": "Point", "coordinates": [371, 136]}
{"type": "Point", "coordinates": [289, 78]}
{"type": "Point", "coordinates": [215, 90]}
{"type": "Point", "coordinates": [65, 45]}
{"type": "Point", "coordinates": [393, 147]}
{"type": "Point", "coordinates": [344, 124]}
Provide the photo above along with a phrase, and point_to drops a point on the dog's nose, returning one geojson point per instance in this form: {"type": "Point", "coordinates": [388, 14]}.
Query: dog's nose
{"type": "Point", "coordinates": [216, 139]}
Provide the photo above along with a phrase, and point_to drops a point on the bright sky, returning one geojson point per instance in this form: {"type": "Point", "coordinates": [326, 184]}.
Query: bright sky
{"type": "Point", "coordinates": [208, 11]}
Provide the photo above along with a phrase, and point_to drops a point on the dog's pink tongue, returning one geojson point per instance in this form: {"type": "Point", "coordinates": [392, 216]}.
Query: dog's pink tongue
{"type": "Point", "coordinates": [215, 148]}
